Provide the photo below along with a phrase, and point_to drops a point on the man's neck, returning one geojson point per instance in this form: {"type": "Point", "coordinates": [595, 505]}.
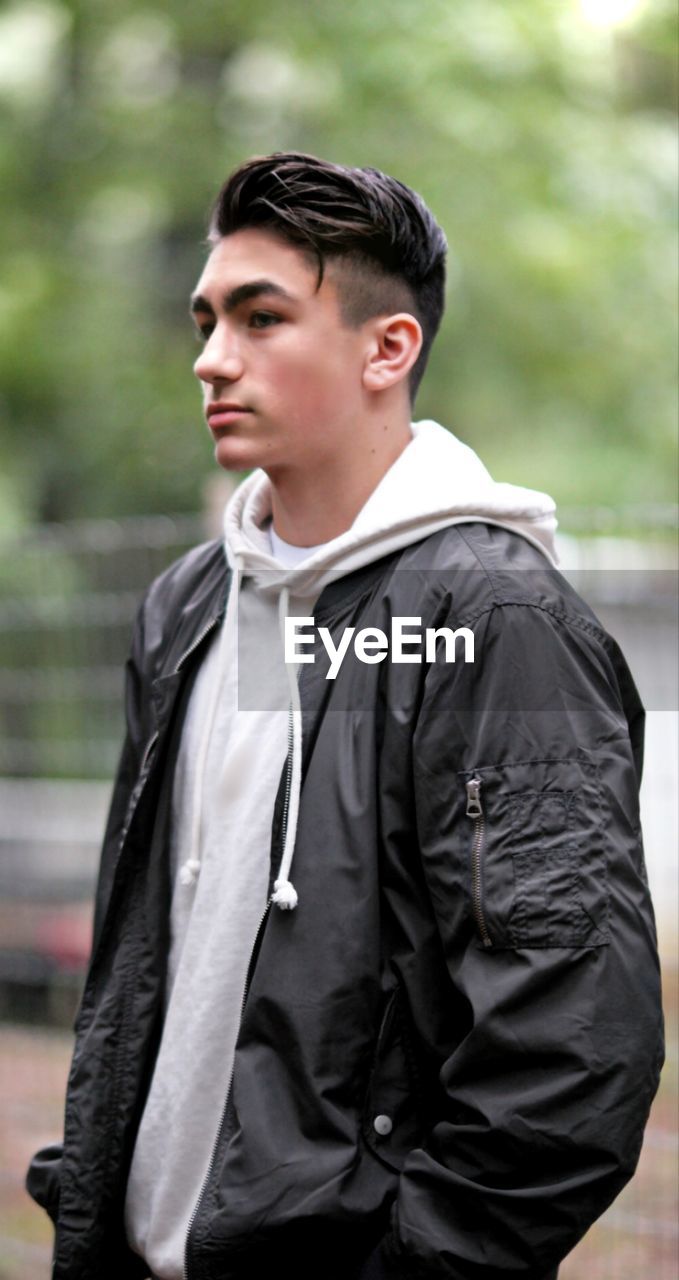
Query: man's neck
{"type": "Point", "coordinates": [312, 508]}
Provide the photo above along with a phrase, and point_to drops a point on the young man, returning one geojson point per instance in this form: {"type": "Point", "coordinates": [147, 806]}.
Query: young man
{"type": "Point", "coordinates": [374, 989]}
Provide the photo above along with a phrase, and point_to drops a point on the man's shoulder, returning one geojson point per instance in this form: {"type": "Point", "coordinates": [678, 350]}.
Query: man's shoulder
{"type": "Point", "coordinates": [481, 545]}
{"type": "Point", "coordinates": [182, 599]}
{"type": "Point", "coordinates": [198, 569]}
{"type": "Point", "coordinates": [483, 566]}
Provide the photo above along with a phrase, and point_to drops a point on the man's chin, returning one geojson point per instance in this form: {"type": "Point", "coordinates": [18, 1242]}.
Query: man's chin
{"type": "Point", "coordinates": [235, 454]}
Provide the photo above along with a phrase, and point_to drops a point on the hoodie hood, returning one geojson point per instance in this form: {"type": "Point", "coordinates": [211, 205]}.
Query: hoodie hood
{"type": "Point", "coordinates": [437, 481]}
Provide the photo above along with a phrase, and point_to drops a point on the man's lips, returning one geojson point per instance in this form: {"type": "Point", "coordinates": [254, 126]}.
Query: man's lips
{"type": "Point", "coordinates": [220, 414]}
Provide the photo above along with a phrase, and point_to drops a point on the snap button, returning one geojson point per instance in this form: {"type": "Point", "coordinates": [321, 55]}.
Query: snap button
{"type": "Point", "coordinates": [382, 1125]}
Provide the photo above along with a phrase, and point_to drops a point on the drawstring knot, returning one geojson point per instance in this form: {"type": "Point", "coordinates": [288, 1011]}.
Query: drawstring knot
{"type": "Point", "coordinates": [285, 895]}
{"type": "Point", "coordinates": [189, 872]}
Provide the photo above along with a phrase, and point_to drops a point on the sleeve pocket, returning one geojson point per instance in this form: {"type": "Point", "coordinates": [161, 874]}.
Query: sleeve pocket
{"type": "Point", "coordinates": [537, 860]}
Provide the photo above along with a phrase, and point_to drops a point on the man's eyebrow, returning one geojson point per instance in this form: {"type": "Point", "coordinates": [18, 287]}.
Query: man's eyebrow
{"type": "Point", "coordinates": [242, 293]}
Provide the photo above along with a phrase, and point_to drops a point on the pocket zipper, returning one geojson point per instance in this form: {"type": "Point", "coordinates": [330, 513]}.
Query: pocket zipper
{"type": "Point", "coordinates": [475, 812]}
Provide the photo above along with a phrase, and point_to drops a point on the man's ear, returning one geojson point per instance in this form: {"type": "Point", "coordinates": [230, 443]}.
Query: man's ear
{"type": "Point", "coordinates": [395, 343]}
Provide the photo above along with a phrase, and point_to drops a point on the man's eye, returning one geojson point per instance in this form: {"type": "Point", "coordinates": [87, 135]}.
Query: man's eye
{"type": "Point", "coordinates": [263, 319]}
{"type": "Point", "coordinates": [202, 332]}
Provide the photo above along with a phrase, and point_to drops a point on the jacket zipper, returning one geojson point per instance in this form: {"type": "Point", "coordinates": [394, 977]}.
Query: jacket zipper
{"type": "Point", "coordinates": [150, 747]}
{"type": "Point", "coordinates": [288, 780]}
{"type": "Point", "coordinates": [132, 808]}
{"type": "Point", "coordinates": [209, 626]}
{"type": "Point", "coordinates": [475, 812]}
{"type": "Point", "coordinates": [144, 769]}
{"type": "Point", "coordinates": [151, 744]}
{"type": "Point", "coordinates": [248, 980]}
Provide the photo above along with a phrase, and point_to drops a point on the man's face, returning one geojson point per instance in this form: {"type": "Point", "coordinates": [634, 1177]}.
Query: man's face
{"type": "Point", "coordinates": [280, 372]}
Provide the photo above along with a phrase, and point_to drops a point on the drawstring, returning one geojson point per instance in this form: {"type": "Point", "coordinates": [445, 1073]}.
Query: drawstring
{"type": "Point", "coordinates": [190, 869]}
{"type": "Point", "coordinates": [285, 894]}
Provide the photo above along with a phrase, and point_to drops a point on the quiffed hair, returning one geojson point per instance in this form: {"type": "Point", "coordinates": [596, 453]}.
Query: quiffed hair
{"type": "Point", "coordinates": [389, 248]}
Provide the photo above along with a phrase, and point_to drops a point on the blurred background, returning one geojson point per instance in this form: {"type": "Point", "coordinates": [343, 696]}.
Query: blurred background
{"type": "Point", "coordinates": [542, 133]}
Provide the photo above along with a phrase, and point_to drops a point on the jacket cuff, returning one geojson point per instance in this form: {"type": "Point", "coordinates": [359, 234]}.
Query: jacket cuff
{"type": "Point", "coordinates": [43, 1177]}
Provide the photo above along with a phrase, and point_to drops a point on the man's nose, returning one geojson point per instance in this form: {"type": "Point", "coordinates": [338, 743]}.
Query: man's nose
{"type": "Point", "coordinates": [220, 359]}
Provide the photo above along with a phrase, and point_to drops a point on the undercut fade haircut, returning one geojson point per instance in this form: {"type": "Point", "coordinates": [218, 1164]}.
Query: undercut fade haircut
{"type": "Point", "coordinates": [383, 246]}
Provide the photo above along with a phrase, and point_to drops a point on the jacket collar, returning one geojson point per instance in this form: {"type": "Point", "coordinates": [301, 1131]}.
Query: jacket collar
{"type": "Point", "coordinates": [193, 618]}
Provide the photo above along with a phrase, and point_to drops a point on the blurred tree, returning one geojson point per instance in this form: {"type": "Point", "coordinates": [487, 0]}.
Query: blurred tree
{"type": "Point", "coordinates": [542, 137]}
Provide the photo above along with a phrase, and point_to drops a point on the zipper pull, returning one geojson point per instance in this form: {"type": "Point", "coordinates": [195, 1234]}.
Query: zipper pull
{"type": "Point", "coordinates": [473, 789]}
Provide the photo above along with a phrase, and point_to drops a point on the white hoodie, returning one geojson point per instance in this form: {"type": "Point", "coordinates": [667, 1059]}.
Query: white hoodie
{"type": "Point", "coordinates": [234, 744]}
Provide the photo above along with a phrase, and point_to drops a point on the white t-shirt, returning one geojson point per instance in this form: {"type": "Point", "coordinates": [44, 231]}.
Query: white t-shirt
{"type": "Point", "coordinates": [288, 554]}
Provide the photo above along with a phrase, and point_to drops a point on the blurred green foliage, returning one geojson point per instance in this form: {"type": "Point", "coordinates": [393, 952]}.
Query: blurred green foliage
{"type": "Point", "coordinates": [545, 146]}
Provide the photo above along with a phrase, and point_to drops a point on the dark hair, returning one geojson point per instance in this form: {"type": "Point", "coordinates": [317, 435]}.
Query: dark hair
{"type": "Point", "coordinates": [391, 249]}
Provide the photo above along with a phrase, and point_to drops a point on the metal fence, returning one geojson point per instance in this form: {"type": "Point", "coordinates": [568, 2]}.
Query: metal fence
{"type": "Point", "coordinates": [68, 594]}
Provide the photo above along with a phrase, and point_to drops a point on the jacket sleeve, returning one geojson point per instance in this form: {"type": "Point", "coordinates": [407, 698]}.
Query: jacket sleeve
{"type": "Point", "coordinates": [526, 796]}
{"type": "Point", "coordinates": [43, 1177]}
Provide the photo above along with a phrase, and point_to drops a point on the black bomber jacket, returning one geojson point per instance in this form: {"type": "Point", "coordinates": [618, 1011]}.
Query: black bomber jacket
{"type": "Point", "coordinates": [448, 1050]}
